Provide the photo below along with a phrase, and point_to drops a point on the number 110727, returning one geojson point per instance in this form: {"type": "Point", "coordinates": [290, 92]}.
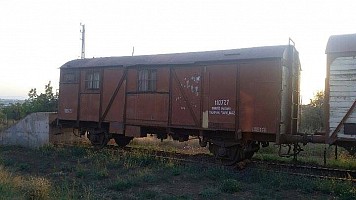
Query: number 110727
{"type": "Point", "coordinates": [221, 102]}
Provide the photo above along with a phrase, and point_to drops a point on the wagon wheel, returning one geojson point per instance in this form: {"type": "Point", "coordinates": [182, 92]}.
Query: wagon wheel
{"type": "Point", "coordinates": [228, 155]}
{"type": "Point", "coordinates": [121, 140]}
{"type": "Point", "coordinates": [98, 139]}
{"type": "Point", "coordinates": [250, 149]}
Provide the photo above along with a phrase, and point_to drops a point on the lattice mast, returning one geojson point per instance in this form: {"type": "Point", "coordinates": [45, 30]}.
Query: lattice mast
{"type": "Point", "coordinates": [82, 56]}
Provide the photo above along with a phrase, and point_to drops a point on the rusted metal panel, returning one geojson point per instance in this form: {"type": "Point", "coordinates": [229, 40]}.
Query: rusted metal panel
{"type": "Point", "coordinates": [114, 79]}
{"type": "Point", "coordinates": [186, 91]}
{"type": "Point", "coordinates": [163, 79]}
{"type": "Point", "coordinates": [230, 90]}
{"type": "Point", "coordinates": [116, 127]}
{"type": "Point", "coordinates": [89, 107]}
{"type": "Point", "coordinates": [133, 131]}
{"type": "Point", "coordinates": [146, 108]}
{"type": "Point", "coordinates": [68, 104]}
{"type": "Point", "coordinates": [220, 91]}
{"type": "Point", "coordinates": [69, 93]}
{"type": "Point", "coordinates": [132, 79]}
{"type": "Point", "coordinates": [260, 84]}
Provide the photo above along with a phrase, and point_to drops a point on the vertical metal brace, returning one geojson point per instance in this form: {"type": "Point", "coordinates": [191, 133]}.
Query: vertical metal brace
{"type": "Point", "coordinates": [79, 96]}
{"type": "Point", "coordinates": [101, 82]}
{"type": "Point", "coordinates": [202, 92]}
{"type": "Point", "coordinates": [102, 118]}
{"type": "Point", "coordinates": [170, 98]}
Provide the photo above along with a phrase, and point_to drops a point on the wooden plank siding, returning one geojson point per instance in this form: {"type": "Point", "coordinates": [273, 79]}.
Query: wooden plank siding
{"type": "Point", "coordinates": [342, 93]}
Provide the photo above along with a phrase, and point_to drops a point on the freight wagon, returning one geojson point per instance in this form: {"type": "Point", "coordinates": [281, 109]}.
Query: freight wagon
{"type": "Point", "coordinates": [340, 91]}
{"type": "Point", "coordinates": [234, 100]}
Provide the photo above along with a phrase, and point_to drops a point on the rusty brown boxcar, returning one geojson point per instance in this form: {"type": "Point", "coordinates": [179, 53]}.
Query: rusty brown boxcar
{"type": "Point", "coordinates": [234, 100]}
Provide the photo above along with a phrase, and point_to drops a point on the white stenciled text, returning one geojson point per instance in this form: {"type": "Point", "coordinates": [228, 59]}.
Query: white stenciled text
{"type": "Point", "coordinates": [221, 107]}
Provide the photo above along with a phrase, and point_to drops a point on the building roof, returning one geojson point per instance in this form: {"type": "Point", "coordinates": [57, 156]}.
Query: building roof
{"type": "Point", "coordinates": [341, 43]}
{"type": "Point", "coordinates": [182, 58]}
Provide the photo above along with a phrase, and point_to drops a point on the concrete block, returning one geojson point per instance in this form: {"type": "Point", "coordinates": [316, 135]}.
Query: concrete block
{"type": "Point", "coordinates": [32, 131]}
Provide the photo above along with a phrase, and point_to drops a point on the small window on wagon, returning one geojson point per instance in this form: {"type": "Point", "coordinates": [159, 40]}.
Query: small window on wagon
{"type": "Point", "coordinates": [92, 80]}
{"type": "Point", "coordinates": [69, 77]}
{"type": "Point", "coordinates": [147, 80]}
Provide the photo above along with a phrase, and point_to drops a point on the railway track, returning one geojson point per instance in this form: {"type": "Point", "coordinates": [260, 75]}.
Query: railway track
{"type": "Point", "coordinates": [286, 168]}
{"type": "Point", "coordinates": [308, 171]}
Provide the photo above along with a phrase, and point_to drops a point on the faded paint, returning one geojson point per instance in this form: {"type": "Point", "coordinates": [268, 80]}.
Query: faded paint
{"type": "Point", "coordinates": [205, 123]}
{"type": "Point", "coordinates": [186, 105]}
{"type": "Point", "coordinates": [260, 102]}
{"type": "Point", "coordinates": [192, 83]}
{"type": "Point", "coordinates": [220, 82]}
{"type": "Point", "coordinates": [342, 93]}
{"type": "Point", "coordinates": [285, 106]}
{"type": "Point", "coordinates": [242, 93]}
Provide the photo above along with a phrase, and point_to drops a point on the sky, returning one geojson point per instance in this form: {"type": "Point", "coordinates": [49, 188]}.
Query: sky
{"type": "Point", "coordinates": [39, 36]}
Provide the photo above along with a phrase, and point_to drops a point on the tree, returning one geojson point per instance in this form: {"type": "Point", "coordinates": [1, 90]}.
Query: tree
{"type": "Point", "coordinates": [45, 102]}
{"type": "Point", "coordinates": [14, 111]}
{"type": "Point", "coordinates": [2, 117]}
{"type": "Point", "coordinates": [313, 116]}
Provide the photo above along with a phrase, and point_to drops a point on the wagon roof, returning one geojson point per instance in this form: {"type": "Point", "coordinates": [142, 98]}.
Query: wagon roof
{"type": "Point", "coordinates": [341, 43]}
{"type": "Point", "coordinates": [182, 58]}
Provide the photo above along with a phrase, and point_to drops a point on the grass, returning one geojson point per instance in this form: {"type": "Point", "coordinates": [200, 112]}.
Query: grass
{"type": "Point", "coordinates": [151, 142]}
{"type": "Point", "coordinates": [81, 173]}
{"type": "Point", "coordinates": [230, 186]}
{"type": "Point", "coordinates": [210, 193]}
{"type": "Point", "coordinates": [312, 154]}
{"type": "Point", "coordinates": [123, 184]}
{"type": "Point", "coordinates": [14, 186]}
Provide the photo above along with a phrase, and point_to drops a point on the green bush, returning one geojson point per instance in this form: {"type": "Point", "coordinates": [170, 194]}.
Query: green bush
{"type": "Point", "coordinates": [44, 102]}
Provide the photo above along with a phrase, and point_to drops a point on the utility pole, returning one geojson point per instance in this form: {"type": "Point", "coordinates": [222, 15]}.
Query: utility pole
{"type": "Point", "coordinates": [83, 41]}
